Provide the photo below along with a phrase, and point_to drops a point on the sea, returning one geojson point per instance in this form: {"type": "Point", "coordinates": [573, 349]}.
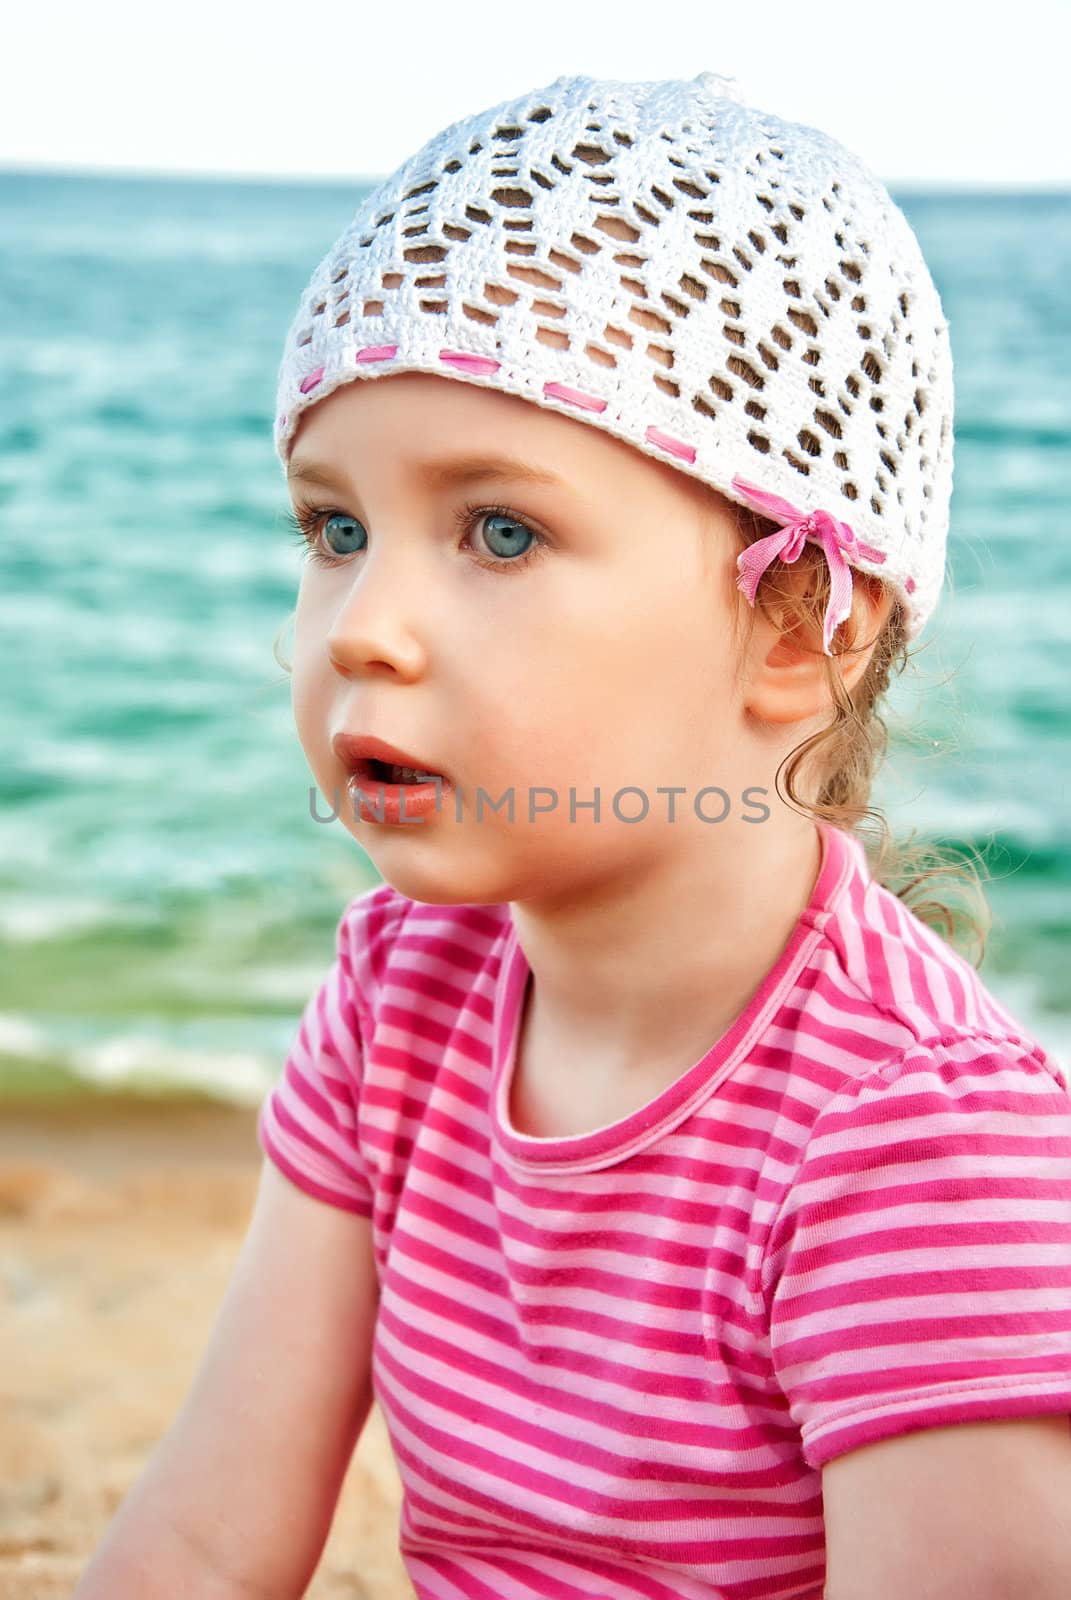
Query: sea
{"type": "Point", "coordinates": [167, 901]}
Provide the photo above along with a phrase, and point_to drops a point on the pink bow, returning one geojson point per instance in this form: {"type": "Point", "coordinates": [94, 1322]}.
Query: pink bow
{"type": "Point", "coordinates": [836, 538]}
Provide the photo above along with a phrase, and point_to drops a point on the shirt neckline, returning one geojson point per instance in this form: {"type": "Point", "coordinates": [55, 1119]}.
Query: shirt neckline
{"type": "Point", "coordinates": [605, 1146]}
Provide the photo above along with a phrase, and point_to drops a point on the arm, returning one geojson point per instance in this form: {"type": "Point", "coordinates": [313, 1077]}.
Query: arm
{"type": "Point", "coordinates": [238, 1497]}
{"type": "Point", "coordinates": [978, 1509]}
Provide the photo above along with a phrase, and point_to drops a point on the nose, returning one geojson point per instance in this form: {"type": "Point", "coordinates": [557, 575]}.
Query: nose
{"type": "Point", "coordinates": [372, 626]}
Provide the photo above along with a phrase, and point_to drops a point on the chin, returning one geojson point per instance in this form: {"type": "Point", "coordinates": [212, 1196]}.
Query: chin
{"type": "Point", "coordinates": [446, 881]}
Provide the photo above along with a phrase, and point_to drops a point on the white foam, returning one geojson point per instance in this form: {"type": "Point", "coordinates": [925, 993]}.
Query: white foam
{"type": "Point", "coordinates": [26, 920]}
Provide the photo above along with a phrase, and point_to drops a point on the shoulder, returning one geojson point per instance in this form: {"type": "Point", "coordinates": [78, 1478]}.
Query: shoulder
{"type": "Point", "coordinates": [971, 1118]}
{"type": "Point", "coordinates": [367, 933]}
{"type": "Point", "coordinates": [385, 939]}
{"type": "Point", "coordinates": [951, 1115]}
{"type": "Point", "coordinates": [954, 1081]}
{"type": "Point", "coordinates": [900, 982]}
{"type": "Point", "coordinates": [915, 1272]}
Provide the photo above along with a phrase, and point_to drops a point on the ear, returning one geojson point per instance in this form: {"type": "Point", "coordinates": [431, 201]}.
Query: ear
{"type": "Point", "coordinates": [787, 668]}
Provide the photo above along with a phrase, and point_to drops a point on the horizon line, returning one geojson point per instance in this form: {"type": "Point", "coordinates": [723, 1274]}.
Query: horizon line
{"type": "Point", "coordinates": [944, 185]}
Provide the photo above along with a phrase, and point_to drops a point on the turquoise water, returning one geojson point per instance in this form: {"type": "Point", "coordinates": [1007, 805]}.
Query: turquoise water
{"type": "Point", "coordinates": [166, 901]}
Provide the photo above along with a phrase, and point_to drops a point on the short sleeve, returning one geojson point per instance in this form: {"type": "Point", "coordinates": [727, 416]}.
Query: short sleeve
{"type": "Point", "coordinates": [308, 1121]}
{"type": "Point", "coordinates": [919, 1270]}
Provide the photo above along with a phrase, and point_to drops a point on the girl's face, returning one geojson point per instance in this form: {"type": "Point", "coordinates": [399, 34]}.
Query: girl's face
{"type": "Point", "coordinates": [564, 639]}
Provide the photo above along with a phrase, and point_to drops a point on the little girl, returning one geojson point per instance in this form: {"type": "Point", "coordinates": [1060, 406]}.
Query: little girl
{"type": "Point", "coordinates": [698, 1219]}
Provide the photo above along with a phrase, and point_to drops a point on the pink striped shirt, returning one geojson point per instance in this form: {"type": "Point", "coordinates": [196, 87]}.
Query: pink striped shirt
{"type": "Point", "coordinates": [613, 1364]}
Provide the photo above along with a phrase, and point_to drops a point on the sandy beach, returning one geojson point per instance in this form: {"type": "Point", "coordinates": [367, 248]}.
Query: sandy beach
{"type": "Point", "coordinates": [120, 1221]}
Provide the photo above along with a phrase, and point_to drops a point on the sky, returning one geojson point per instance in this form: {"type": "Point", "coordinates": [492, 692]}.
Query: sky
{"type": "Point", "coordinates": [927, 92]}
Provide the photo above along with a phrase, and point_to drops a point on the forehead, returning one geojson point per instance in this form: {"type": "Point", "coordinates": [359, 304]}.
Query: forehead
{"type": "Point", "coordinates": [429, 412]}
{"type": "Point", "coordinates": [445, 431]}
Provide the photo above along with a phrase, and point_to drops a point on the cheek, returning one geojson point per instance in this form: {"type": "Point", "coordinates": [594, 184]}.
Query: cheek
{"type": "Point", "coordinates": [574, 695]}
{"type": "Point", "coordinates": [311, 678]}
{"type": "Point", "coordinates": [310, 728]}
{"type": "Point", "coordinates": [651, 635]}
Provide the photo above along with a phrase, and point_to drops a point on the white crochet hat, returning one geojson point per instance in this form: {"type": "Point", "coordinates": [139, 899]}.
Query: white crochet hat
{"type": "Point", "coordinates": [729, 292]}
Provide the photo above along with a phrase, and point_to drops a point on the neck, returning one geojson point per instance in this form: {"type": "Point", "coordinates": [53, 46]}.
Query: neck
{"type": "Point", "coordinates": [660, 960]}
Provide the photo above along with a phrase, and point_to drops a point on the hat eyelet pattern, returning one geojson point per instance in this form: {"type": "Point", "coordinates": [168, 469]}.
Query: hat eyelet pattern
{"type": "Point", "coordinates": [702, 279]}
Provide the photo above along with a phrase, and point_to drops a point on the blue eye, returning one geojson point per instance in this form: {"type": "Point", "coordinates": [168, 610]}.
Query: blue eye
{"type": "Point", "coordinates": [514, 533]}
{"type": "Point", "coordinates": [344, 535]}
{"type": "Point", "coordinates": [347, 537]}
{"type": "Point", "coordinates": [309, 524]}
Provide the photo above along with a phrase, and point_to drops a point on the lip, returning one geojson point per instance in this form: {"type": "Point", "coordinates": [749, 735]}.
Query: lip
{"type": "Point", "coordinates": [357, 751]}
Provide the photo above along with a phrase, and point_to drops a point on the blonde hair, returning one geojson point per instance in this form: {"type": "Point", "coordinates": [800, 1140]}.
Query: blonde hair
{"type": "Point", "coordinates": [848, 751]}
{"type": "Point", "coordinates": [944, 890]}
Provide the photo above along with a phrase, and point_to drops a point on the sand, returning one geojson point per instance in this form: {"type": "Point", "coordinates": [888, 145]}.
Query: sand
{"type": "Point", "coordinates": [120, 1221]}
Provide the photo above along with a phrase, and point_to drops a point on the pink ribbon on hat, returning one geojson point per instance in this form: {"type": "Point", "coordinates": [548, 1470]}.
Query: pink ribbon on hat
{"type": "Point", "coordinates": [836, 538]}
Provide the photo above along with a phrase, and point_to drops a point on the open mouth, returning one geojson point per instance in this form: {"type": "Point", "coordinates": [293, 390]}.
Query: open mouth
{"type": "Point", "coordinates": [387, 772]}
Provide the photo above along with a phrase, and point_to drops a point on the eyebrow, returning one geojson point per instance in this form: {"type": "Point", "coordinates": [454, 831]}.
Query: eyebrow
{"type": "Point", "coordinates": [442, 474]}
